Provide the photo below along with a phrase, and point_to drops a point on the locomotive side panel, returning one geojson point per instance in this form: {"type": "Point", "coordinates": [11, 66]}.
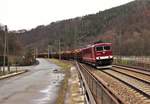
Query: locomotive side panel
{"type": "Point", "coordinates": [88, 55]}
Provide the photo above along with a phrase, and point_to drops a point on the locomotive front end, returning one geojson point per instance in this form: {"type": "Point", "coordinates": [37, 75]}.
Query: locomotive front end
{"type": "Point", "coordinates": [103, 54]}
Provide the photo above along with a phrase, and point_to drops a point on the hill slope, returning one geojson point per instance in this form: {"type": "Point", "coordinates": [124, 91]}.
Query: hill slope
{"type": "Point", "coordinates": [126, 26]}
{"type": "Point", "coordinates": [13, 43]}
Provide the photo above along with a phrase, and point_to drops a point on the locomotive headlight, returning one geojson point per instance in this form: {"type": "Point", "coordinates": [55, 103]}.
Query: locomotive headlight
{"type": "Point", "coordinates": [97, 58]}
{"type": "Point", "coordinates": [111, 56]}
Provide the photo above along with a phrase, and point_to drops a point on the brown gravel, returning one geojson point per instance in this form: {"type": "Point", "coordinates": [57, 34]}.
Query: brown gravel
{"type": "Point", "coordinates": [128, 95]}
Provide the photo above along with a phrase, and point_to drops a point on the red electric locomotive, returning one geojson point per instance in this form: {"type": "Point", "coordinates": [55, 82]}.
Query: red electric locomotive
{"type": "Point", "coordinates": [99, 54]}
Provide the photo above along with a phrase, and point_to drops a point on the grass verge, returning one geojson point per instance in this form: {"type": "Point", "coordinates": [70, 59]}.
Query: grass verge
{"type": "Point", "coordinates": [65, 66]}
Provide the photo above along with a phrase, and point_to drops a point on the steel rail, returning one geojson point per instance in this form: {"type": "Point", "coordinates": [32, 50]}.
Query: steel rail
{"type": "Point", "coordinates": [130, 85]}
{"type": "Point", "coordinates": [142, 80]}
{"type": "Point", "coordinates": [140, 69]}
{"type": "Point", "coordinates": [133, 69]}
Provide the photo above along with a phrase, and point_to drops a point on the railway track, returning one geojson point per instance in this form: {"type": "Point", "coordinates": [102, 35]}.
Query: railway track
{"type": "Point", "coordinates": [99, 89]}
{"type": "Point", "coordinates": [129, 86]}
{"type": "Point", "coordinates": [137, 84]}
{"type": "Point", "coordinates": [137, 79]}
{"type": "Point", "coordinates": [137, 74]}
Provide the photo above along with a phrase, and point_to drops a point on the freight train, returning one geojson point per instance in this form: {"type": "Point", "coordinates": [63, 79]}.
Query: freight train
{"type": "Point", "coordinates": [98, 54]}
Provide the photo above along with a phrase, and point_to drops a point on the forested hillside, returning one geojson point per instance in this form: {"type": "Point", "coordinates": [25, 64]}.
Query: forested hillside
{"type": "Point", "coordinates": [15, 51]}
{"type": "Point", "coordinates": [13, 43]}
{"type": "Point", "coordinates": [126, 26]}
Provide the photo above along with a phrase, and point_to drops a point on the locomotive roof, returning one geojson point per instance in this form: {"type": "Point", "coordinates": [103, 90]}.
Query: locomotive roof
{"type": "Point", "coordinates": [97, 44]}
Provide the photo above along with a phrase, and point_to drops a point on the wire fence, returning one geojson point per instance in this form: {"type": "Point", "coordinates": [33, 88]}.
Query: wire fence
{"type": "Point", "coordinates": [142, 61]}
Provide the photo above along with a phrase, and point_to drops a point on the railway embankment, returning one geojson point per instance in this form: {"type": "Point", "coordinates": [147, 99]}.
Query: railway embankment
{"type": "Point", "coordinates": [128, 86]}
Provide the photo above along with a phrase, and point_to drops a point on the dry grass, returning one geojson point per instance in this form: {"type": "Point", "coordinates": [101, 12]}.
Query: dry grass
{"type": "Point", "coordinates": [65, 65]}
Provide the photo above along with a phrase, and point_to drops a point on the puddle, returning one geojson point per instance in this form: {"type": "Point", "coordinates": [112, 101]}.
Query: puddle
{"type": "Point", "coordinates": [49, 94]}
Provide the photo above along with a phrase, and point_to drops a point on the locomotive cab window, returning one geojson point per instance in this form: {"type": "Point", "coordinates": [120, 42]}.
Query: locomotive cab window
{"type": "Point", "coordinates": [107, 47]}
{"type": "Point", "coordinates": [99, 48]}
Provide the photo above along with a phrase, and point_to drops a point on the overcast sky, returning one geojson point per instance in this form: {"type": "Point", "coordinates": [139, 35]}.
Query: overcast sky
{"type": "Point", "coordinates": [27, 14]}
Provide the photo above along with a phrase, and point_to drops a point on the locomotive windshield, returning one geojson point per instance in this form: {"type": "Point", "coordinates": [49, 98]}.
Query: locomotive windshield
{"type": "Point", "coordinates": [102, 48]}
{"type": "Point", "coordinates": [106, 47]}
{"type": "Point", "coordinates": [99, 48]}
